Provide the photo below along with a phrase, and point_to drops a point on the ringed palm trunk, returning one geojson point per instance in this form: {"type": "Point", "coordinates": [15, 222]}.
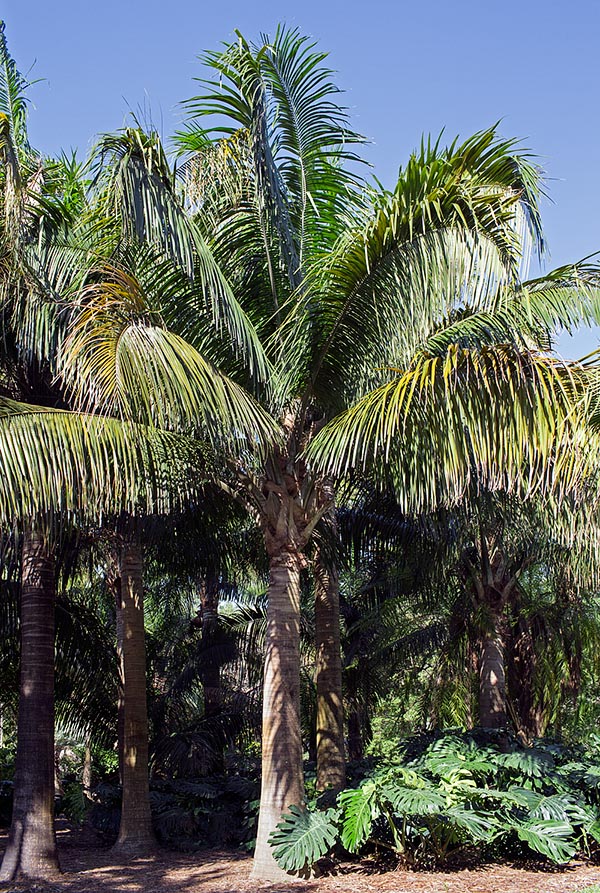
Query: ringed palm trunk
{"type": "Point", "coordinates": [331, 760]}
{"type": "Point", "coordinates": [282, 778]}
{"type": "Point", "coordinates": [492, 680]}
{"type": "Point", "coordinates": [135, 831]}
{"type": "Point", "coordinates": [211, 675]}
{"type": "Point", "coordinates": [356, 749]}
{"type": "Point", "coordinates": [31, 849]}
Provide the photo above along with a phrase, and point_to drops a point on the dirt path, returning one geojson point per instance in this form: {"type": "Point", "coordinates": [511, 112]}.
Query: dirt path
{"type": "Point", "coordinates": [89, 868]}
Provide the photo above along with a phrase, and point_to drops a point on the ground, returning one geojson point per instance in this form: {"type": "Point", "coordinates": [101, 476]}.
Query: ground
{"type": "Point", "coordinates": [88, 868]}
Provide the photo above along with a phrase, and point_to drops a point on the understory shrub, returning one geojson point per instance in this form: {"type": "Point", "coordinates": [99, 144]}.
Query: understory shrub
{"type": "Point", "coordinates": [441, 794]}
{"type": "Point", "coordinates": [188, 814]}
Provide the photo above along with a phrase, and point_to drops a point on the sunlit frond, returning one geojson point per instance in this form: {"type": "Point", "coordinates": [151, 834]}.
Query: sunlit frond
{"type": "Point", "coordinates": [121, 360]}
{"type": "Point", "coordinates": [55, 461]}
{"type": "Point", "coordinates": [494, 417]}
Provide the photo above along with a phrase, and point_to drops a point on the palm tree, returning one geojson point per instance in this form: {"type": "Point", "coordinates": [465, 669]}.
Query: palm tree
{"type": "Point", "coordinates": [68, 459]}
{"type": "Point", "coordinates": [325, 269]}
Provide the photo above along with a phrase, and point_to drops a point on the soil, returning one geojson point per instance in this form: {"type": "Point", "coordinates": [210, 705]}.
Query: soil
{"type": "Point", "coordinates": [88, 867]}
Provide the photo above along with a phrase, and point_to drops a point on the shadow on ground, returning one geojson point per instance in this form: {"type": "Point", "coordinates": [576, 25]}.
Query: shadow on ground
{"type": "Point", "coordinates": [89, 867]}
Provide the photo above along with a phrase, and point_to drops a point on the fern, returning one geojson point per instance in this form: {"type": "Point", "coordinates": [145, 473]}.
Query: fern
{"type": "Point", "coordinates": [302, 837]}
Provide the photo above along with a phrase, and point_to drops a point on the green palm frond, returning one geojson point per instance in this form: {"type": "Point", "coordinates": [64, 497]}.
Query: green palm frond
{"type": "Point", "coordinates": [13, 95]}
{"type": "Point", "coordinates": [277, 101]}
{"type": "Point", "coordinates": [453, 222]}
{"type": "Point", "coordinates": [241, 101]}
{"type": "Point", "coordinates": [313, 142]}
{"type": "Point", "coordinates": [57, 461]}
{"type": "Point", "coordinates": [121, 360]}
{"type": "Point", "coordinates": [479, 415]}
{"type": "Point", "coordinates": [136, 186]}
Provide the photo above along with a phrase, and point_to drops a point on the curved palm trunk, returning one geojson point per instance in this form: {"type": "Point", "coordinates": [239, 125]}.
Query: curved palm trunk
{"type": "Point", "coordinates": [135, 831]}
{"type": "Point", "coordinates": [282, 778]}
{"type": "Point", "coordinates": [492, 681]}
{"type": "Point", "coordinates": [31, 849]}
{"type": "Point", "coordinates": [331, 760]}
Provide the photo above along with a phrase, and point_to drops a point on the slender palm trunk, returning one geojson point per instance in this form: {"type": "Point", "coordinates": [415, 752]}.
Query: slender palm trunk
{"type": "Point", "coordinates": [86, 775]}
{"type": "Point", "coordinates": [492, 682]}
{"type": "Point", "coordinates": [356, 749]}
{"type": "Point", "coordinates": [529, 714]}
{"type": "Point", "coordinates": [331, 759]}
{"type": "Point", "coordinates": [135, 832]}
{"type": "Point", "coordinates": [282, 779]}
{"type": "Point", "coordinates": [121, 684]}
{"type": "Point", "coordinates": [211, 672]}
{"type": "Point", "coordinates": [31, 849]}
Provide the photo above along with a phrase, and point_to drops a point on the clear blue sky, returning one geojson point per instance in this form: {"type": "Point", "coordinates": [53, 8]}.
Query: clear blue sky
{"type": "Point", "coordinates": [408, 69]}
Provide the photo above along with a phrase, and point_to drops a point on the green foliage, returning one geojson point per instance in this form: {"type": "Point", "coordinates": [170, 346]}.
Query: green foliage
{"type": "Point", "coordinates": [302, 837]}
{"type": "Point", "coordinates": [7, 762]}
{"type": "Point", "coordinates": [74, 804]}
{"type": "Point", "coordinates": [550, 838]}
{"type": "Point", "coordinates": [361, 808]}
{"type": "Point", "coordinates": [191, 813]}
{"type": "Point", "coordinates": [440, 795]}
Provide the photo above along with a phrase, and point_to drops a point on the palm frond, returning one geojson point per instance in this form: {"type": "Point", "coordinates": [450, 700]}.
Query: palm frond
{"type": "Point", "coordinates": [121, 360]}
{"type": "Point", "coordinates": [57, 461]}
{"type": "Point", "coordinates": [471, 415]}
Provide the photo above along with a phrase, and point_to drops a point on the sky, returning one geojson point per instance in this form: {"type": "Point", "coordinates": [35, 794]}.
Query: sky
{"type": "Point", "coordinates": [407, 69]}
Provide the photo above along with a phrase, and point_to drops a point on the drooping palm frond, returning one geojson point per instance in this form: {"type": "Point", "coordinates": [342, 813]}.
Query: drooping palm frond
{"type": "Point", "coordinates": [452, 223]}
{"type": "Point", "coordinates": [470, 415]}
{"type": "Point", "coordinates": [242, 98]}
{"type": "Point", "coordinates": [136, 186]}
{"type": "Point", "coordinates": [57, 461]}
{"type": "Point", "coordinates": [527, 314]}
{"type": "Point", "coordinates": [121, 360]}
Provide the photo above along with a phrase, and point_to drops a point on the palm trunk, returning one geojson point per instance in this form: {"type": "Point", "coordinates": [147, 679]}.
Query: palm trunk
{"type": "Point", "coordinates": [211, 672]}
{"type": "Point", "coordinates": [356, 749]}
{"type": "Point", "coordinates": [31, 849]}
{"type": "Point", "coordinates": [211, 675]}
{"type": "Point", "coordinates": [135, 832]}
{"type": "Point", "coordinates": [530, 716]}
{"type": "Point", "coordinates": [331, 760]}
{"type": "Point", "coordinates": [492, 683]}
{"type": "Point", "coordinates": [86, 775]}
{"type": "Point", "coordinates": [282, 779]}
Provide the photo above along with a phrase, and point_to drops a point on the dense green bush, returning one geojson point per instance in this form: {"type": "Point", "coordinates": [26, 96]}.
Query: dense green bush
{"type": "Point", "coordinates": [441, 794]}
{"type": "Point", "coordinates": [190, 813]}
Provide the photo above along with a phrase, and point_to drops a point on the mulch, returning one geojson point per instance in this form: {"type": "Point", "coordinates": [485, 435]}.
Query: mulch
{"type": "Point", "coordinates": [88, 867]}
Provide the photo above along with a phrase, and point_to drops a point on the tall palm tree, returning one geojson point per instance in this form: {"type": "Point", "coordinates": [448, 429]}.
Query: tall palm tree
{"type": "Point", "coordinates": [338, 279]}
{"type": "Point", "coordinates": [58, 464]}
{"type": "Point", "coordinates": [326, 269]}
